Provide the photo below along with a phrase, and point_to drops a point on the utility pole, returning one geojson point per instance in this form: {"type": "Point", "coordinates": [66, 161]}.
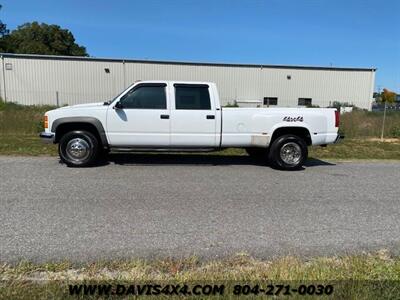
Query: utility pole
{"type": "Point", "coordinates": [384, 113]}
{"type": "Point", "coordinates": [383, 122]}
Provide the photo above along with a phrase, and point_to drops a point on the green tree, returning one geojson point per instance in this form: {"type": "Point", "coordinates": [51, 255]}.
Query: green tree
{"type": "Point", "coordinates": [387, 96]}
{"type": "Point", "coordinates": [41, 38]}
{"type": "Point", "coordinates": [3, 27]}
{"type": "Point", "coordinates": [3, 35]}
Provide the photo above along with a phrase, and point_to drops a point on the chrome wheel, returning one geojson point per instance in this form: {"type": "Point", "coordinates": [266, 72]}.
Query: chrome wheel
{"type": "Point", "coordinates": [78, 149]}
{"type": "Point", "coordinates": [290, 153]}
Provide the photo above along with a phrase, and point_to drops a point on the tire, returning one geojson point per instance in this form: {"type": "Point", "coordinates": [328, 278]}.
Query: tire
{"type": "Point", "coordinates": [288, 152]}
{"type": "Point", "coordinates": [78, 148]}
{"type": "Point", "coordinates": [257, 153]}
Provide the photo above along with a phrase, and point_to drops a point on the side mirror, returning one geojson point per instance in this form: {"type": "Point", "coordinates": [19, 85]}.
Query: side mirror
{"type": "Point", "coordinates": [118, 105]}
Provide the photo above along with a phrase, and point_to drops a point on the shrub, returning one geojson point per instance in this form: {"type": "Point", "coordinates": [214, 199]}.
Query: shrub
{"type": "Point", "coordinates": [9, 106]}
{"type": "Point", "coordinates": [360, 123]}
{"type": "Point", "coordinates": [395, 131]}
{"type": "Point", "coordinates": [234, 104]}
{"type": "Point", "coordinates": [338, 105]}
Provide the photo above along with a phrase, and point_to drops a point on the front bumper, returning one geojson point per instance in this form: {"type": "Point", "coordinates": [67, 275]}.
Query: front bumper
{"type": "Point", "coordinates": [338, 138]}
{"type": "Point", "coordinates": [47, 137]}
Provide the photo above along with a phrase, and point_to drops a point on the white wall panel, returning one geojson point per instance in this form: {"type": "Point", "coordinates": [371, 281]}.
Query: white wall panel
{"type": "Point", "coordinates": [36, 79]}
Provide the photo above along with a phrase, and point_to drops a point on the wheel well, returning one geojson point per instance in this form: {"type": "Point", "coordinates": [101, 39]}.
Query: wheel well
{"type": "Point", "coordinates": [67, 127]}
{"type": "Point", "coordinates": [299, 131]}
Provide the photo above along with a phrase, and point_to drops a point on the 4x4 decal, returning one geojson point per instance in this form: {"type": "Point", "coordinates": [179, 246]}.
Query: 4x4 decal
{"type": "Point", "coordinates": [293, 119]}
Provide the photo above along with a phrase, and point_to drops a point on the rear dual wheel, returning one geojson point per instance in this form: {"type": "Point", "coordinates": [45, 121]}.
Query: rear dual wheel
{"type": "Point", "coordinates": [288, 152]}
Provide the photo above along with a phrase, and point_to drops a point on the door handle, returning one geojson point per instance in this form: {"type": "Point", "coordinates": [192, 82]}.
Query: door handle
{"type": "Point", "coordinates": [164, 116]}
{"type": "Point", "coordinates": [210, 117]}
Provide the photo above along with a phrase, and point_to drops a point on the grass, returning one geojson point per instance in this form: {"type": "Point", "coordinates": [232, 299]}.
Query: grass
{"type": "Point", "coordinates": [18, 119]}
{"type": "Point", "coordinates": [365, 272]}
{"type": "Point", "coordinates": [20, 126]}
{"type": "Point", "coordinates": [358, 149]}
{"type": "Point", "coordinates": [25, 145]}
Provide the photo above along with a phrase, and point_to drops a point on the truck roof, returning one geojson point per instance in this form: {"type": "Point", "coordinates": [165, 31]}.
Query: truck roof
{"type": "Point", "coordinates": [174, 81]}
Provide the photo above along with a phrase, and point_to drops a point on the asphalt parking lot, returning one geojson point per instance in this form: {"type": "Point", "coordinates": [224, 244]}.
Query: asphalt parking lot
{"type": "Point", "coordinates": [209, 206]}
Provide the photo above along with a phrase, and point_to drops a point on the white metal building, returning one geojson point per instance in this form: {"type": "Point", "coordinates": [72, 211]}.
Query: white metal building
{"type": "Point", "coordinates": [43, 79]}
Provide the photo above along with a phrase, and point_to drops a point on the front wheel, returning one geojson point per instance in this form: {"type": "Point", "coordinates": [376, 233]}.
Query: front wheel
{"type": "Point", "coordinates": [288, 152]}
{"type": "Point", "coordinates": [78, 148]}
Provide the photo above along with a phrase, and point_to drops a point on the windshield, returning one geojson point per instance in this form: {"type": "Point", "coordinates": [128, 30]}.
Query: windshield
{"type": "Point", "coordinates": [113, 99]}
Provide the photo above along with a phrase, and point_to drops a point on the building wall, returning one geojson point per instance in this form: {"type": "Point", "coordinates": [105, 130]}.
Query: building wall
{"type": "Point", "coordinates": [38, 80]}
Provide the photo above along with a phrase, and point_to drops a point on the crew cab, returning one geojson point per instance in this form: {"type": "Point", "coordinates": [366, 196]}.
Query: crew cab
{"type": "Point", "coordinates": [186, 116]}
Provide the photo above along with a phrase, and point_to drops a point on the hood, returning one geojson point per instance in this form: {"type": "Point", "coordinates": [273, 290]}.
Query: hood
{"type": "Point", "coordinates": [86, 105]}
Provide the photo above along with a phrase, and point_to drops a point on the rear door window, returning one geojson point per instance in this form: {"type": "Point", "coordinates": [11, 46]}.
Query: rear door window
{"type": "Point", "coordinates": [192, 97]}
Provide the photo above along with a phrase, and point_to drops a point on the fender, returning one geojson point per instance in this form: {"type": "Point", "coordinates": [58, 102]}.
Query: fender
{"type": "Point", "coordinates": [88, 120]}
{"type": "Point", "coordinates": [282, 125]}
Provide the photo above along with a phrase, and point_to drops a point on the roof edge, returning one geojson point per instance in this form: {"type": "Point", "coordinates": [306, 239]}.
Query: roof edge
{"type": "Point", "coordinates": [166, 62]}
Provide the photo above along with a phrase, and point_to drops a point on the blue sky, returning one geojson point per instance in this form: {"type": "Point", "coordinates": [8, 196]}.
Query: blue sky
{"type": "Point", "coordinates": [354, 33]}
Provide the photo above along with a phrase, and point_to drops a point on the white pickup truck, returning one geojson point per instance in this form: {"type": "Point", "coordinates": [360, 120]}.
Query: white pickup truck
{"type": "Point", "coordinates": [186, 116]}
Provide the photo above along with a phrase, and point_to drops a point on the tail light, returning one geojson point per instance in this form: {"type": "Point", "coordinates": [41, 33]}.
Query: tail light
{"type": "Point", "coordinates": [337, 118]}
{"type": "Point", "coordinates": [46, 122]}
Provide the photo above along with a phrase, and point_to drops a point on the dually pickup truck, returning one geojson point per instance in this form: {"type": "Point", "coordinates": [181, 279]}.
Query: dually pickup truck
{"type": "Point", "coordinates": [186, 116]}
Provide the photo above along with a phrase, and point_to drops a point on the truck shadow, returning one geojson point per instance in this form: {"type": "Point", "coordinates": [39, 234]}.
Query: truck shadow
{"type": "Point", "coordinates": [192, 159]}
